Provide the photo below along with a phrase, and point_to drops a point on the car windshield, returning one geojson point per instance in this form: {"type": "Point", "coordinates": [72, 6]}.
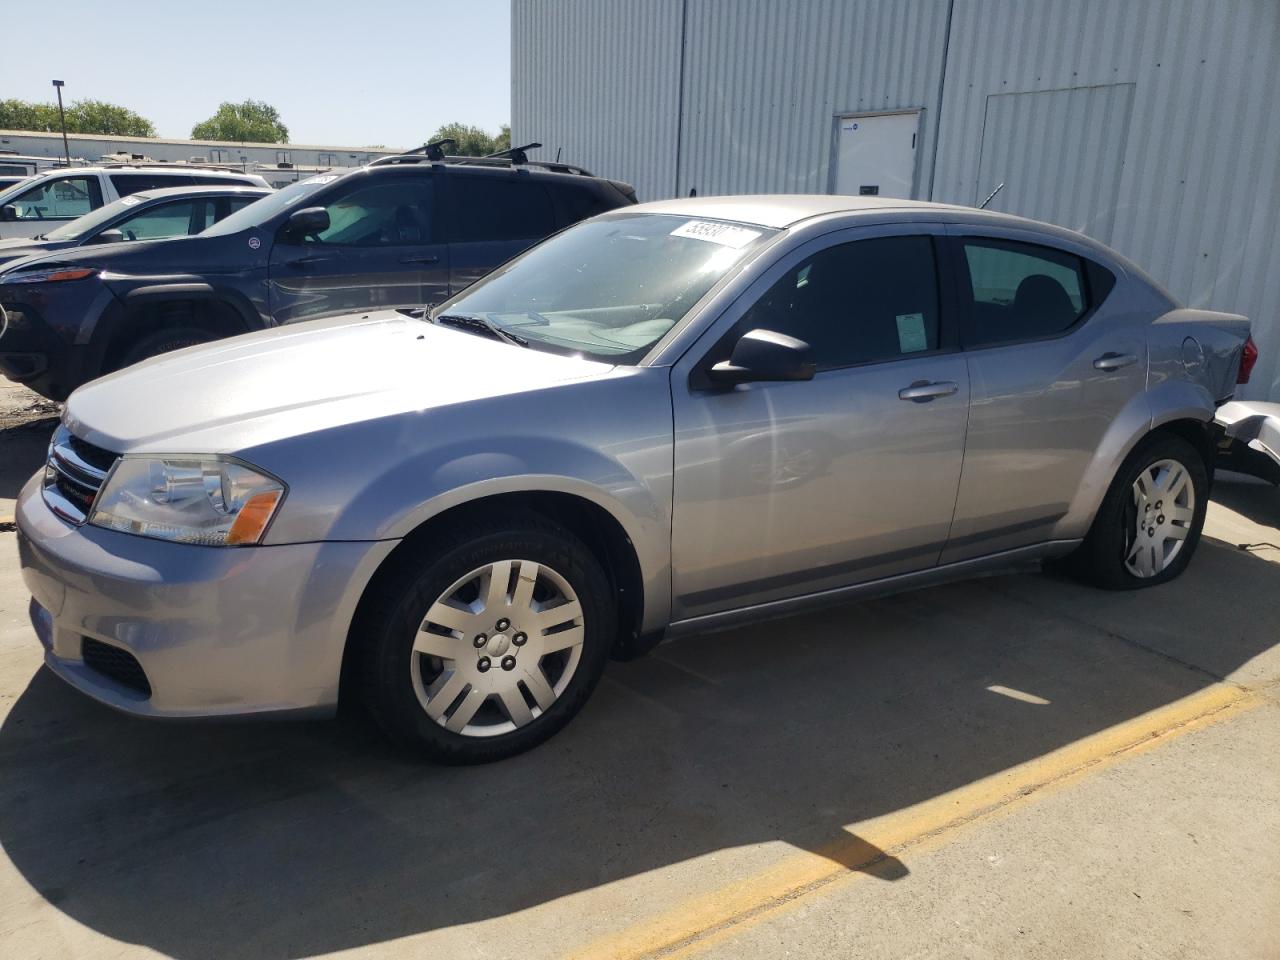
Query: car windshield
{"type": "Point", "coordinates": [263, 210]}
{"type": "Point", "coordinates": [83, 226]}
{"type": "Point", "coordinates": [608, 289]}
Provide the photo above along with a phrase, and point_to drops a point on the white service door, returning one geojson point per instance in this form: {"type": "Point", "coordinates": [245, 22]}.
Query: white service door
{"type": "Point", "coordinates": [876, 155]}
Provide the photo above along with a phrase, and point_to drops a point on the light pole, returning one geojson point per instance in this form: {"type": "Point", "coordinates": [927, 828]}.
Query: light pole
{"type": "Point", "coordinates": [66, 150]}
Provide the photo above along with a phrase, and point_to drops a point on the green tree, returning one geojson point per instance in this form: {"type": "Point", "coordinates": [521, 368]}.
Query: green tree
{"type": "Point", "coordinates": [471, 141]}
{"type": "Point", "coordinates": [503, 140]}
{"type": "Point", "coordinates": [97, 116]}
{"type": "Point", "coordinates": [252, 121]}
{"type": "Point", "coordinates": [83, 116]}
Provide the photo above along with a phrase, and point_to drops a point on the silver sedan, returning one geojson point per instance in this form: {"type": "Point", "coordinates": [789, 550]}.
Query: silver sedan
{"type": "Point", "coordinates": [673, 418]}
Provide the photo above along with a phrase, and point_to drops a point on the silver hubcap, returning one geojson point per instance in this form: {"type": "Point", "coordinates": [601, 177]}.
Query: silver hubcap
{"type": "Point", "coordinates": [497, 648]}
{"type": "Point", "coordinates": [1164, 501]}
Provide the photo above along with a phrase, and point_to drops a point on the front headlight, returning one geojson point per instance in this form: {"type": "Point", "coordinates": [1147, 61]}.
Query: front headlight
{"type": "Point", "coordinates": [207, 501]}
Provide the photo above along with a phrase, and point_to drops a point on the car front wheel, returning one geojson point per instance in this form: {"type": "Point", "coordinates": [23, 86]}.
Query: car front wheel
{"type": "Point", "coordinates": [489, 643]}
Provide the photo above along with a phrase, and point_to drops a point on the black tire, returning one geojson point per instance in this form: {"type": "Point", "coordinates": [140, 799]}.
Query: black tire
{"type": "Point", "coordinates": [392, 613]}
{"type": "Point", "coordinates": [163, 341]}
{"type": "Point", "coordinates": [1100, 559]}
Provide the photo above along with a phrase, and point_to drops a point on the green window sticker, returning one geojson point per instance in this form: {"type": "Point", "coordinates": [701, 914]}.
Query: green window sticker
{"type": "Point", "coordinates": [911, 335]}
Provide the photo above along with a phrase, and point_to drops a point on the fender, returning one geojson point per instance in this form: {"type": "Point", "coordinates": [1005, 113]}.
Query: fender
{"type": "Point", "coordinates": [1160, 404]}
{"type": "Point", "coordinates": [249, 316]}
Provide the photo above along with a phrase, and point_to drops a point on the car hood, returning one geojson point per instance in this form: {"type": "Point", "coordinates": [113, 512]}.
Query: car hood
{"type": "Point", "coordinates": [234, 394]}
{"type": "Point", "coordinates": [18, 247]}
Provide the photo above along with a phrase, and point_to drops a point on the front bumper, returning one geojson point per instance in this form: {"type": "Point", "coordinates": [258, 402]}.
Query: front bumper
{"type": "Point", "coordinates": [218, 631]}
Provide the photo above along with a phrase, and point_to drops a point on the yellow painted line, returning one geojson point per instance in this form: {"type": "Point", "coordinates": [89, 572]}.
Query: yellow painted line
{"type": "Point", "coordinates": [711, 917]}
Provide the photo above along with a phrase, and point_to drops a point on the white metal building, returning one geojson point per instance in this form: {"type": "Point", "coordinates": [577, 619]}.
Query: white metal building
{"type": "Point", "coordinates": [1148, 124]}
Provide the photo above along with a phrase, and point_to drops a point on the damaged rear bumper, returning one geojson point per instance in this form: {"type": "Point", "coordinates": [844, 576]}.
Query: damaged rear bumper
{"type": "Point", "coordinates": [1250, 438]}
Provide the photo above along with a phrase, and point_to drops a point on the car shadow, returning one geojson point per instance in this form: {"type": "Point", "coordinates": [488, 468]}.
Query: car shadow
{"type": "Point", "coordinates": [274, 840]}
{"type": "Point", "coordinates": [25, 447]}
{"type": "Point", "coordinates": [1254, 499]}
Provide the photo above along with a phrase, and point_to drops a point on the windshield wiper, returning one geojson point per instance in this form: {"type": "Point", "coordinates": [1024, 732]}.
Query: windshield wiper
{"type": "Point", "coordinates": [482, 325]}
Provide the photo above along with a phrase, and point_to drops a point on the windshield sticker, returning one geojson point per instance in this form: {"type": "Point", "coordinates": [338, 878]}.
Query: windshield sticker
{"type": "Point", "coordinates": [321, 179]}
{"type": "Point", "coordinates": [129, 201]}
{"type": "Point", "coordinates": [725, 234]}
{"type": "Point", "coordinates": [911, 335]}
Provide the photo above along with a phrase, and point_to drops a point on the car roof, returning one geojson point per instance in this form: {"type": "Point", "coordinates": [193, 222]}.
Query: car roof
{"type": "Point", "coordinates": [787, 209]}
{"type": "Point", "coordinates": [175, 170]}
{"type": "Point", "coordinates": [201, 190]}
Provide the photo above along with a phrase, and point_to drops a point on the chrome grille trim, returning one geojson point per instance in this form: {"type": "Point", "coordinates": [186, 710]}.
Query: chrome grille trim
{"type": "Point", "coordinates": [71, 482]}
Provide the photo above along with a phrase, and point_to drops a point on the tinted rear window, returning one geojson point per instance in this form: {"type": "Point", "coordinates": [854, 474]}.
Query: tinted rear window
{"type": "Point", "coordinates": [495, 208]}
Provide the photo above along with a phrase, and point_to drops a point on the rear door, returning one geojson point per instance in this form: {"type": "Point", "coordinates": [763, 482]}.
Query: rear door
{"type": "Point", "coordinates": [784, 489]}
{"type": "Point", "coordinates": [381, 249]}
{"type": "Point", "coordinates": [1051, 368]}
{"type": "Point", "coordinates": [494, 215]}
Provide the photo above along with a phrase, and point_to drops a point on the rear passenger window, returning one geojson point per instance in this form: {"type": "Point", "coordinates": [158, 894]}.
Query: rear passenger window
{"type": "Point", "coordinates": [856, 303]}
{"type": "Point", "coordinates": [494, 208]}
{"type": "Point", "coordinates": [1021, 291]}
{"type": "Point", "coordinates": [577, 202]}
{"type": "Point", "coordinates": [127, 183]}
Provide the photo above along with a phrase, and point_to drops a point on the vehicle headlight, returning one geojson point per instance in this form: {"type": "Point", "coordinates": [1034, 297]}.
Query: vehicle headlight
{"type": "Point", "coordinates": [208, 501]}
{"type": "Point", "coordinates": [50, 275]}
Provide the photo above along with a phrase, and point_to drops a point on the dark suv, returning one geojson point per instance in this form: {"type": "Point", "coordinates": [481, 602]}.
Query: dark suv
{"type": "Point", "coordinates": [403, 231]}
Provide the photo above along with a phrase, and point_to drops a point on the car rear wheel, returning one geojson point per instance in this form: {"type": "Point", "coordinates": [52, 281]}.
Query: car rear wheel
{"type": "Point", "coordinates": [164, 341]}
{"type": "Point", "coordinates": [1150, 521]}
{"type": "Point", "coordinates": [489, 643]}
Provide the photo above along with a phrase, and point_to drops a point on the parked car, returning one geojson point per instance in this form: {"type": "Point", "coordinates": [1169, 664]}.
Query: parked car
{"type": "Point", "coordinates": [403, 233]}
{"type": "Point", "coordinates": [7, 181]}
{"type": "Point", "coordinates": [671, 418]}
{"type": "Point", "coordinates": [150, 215]}
{"type": "Point", "coordinates": [52, 198]}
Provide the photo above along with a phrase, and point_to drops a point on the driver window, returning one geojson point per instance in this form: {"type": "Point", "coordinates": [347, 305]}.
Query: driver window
{"type": "Point", "coordinates": [62, 199]}
{"type": "Point", "coordinates": [859, 302]}
{"type": "Point", "coordinates": [391, 213]}
{"type": "Point", "coordinates": [167, 220]}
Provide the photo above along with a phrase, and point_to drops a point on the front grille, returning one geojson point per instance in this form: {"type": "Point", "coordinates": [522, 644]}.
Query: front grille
{"type": "Point", "coordinates": [120, 665]}
{"type": "Point", "coordinates": [74, 474]}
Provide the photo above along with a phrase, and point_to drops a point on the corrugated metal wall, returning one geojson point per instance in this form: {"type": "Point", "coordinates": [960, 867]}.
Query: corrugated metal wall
{"type": "Point", "coordinates": [599, 80]}
{"type": "Point", "coordinates": [1149, 123]}
{"type": "Point", "coordinates": [765, 81]}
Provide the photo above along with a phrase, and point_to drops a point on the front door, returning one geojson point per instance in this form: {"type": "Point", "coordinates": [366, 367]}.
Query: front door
{"type": "Point", "coordinates": [783, 489]}
{"type": "Point", "coordinates": [381, 250]}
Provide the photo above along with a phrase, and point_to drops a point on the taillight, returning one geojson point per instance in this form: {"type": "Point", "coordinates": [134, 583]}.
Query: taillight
{"type": "Point", "coordinates": [1248, 357]}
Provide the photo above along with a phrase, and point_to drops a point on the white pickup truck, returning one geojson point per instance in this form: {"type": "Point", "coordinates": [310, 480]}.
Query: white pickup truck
{"type": "Point", "coordinates": [37, 205]}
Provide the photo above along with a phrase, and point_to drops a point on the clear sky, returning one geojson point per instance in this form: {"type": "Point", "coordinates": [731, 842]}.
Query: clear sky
{"type": "Point", "coordinates": [349, 73]}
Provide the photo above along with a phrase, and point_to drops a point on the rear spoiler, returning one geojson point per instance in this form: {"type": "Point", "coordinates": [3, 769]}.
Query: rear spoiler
{"type": "Point", "coordinates": [1250, 440]}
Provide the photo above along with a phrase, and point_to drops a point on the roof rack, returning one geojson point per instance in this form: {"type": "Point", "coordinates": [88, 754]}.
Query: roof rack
{"type": "Point", "coordinates": [515, 157]}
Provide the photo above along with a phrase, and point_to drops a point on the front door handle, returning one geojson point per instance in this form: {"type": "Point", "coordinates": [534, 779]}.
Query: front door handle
{"type": "Point", "coordinates": [922, 391]}
{"type": "Point", "coordinates": [1114, 361]}
{"type": "Point", "coordinates": [306, 261]}
{"type": "Point", "coordinates": [427, 259]}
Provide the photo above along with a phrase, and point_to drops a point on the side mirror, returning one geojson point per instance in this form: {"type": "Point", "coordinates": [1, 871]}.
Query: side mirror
{"type": "Point", "coordinates": [8, 212]}
{"type": "Point", "coordinates": [307, 221]}
{"type": "Point", "coordinates": [763, 355]}
{"type": "Point", "coordinates": [109, 236]}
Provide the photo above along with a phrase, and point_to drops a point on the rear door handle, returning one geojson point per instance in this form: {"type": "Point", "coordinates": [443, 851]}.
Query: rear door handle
{"type": "Point", "coordinates": [428, 259]}
{"type": "Point", "coordinates": [1114, 361]}
{"type": "Point", "coordinates": [922, 391]}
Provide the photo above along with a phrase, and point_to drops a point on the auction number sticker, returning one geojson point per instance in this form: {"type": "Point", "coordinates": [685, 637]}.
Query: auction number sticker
{"type": "Point", "coordinates": [129, 201]}
{"type": "Point", "coordinates": [325, 178]}
{"type": "Point", "coordinates": [725, 234]}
